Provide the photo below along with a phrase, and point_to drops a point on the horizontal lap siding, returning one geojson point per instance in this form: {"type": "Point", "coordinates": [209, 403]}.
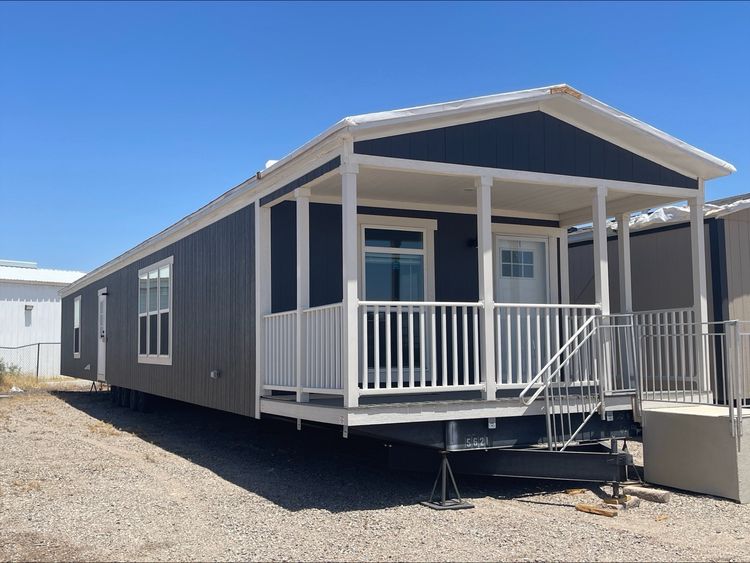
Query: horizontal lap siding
{"type": "Point", "coordinates": [213, 310]}
{"type": "Point", "coordinates": [532, 141]}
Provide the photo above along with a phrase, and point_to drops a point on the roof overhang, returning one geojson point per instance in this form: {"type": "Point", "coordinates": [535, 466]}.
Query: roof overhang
{"type": "Point", "coordinates": [561, 101]}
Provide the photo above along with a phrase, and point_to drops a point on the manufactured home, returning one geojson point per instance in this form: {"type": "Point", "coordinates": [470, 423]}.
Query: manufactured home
{"type": "Point", "coordinates": [30, 309]}
{"type": "Point", "coordinates": [405, 275]}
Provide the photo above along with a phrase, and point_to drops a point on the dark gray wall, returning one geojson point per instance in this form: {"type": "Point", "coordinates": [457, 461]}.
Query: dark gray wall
{"type": "Point", "coordinates": [532, 141]}
{"type": "Point", "coordinates": [456, 267]}
{"type": "Point", "coordinates": [213, 310]}
{"type": "Point", "coordinates": [661, 269]}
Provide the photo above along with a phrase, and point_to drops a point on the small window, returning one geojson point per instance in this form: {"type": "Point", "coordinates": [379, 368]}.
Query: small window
{"type": "Point", "coordinates": [394, 264]}
{"type": "Point", "coordinates": [154, 313]}
{"type": "Point", "coordinates": [517, 263]}
{"type": "Point", "coordinates": [77, 327]}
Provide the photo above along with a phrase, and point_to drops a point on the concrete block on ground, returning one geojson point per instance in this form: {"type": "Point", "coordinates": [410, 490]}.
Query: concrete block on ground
{"type": "Point", "coordinates": [691, 448]}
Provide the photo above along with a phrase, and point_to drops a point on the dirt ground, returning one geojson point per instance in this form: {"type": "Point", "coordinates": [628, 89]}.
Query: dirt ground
{"type": "Point", "coordinates": [83, 480]}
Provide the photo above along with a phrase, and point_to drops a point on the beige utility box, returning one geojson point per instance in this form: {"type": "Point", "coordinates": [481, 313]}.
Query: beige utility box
{"type": "Point", "coordinates": [691, 447]}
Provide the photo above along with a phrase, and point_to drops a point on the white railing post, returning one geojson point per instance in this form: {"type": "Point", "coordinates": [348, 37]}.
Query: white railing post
{"type": "Point", "coordinates": [262, 295]}
{"type": "Point", "coordinates": [601, 263]}
{"type": "Point", "coordinates": [601, 278]}
{"type": "Point", "coordinates": [486, 285]}
{"type": "Point", "coordinates": [623, 244]}
{"type": "Point", "coordinates": [349, 332]}
{"type": "Point", "coordinates": [700, 301]}
{"type": "Point", "coordinates": [302, 196]}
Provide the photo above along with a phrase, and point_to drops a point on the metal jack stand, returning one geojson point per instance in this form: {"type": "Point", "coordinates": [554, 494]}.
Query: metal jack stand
{"type": "Point", "coordinates": [446, 503]}
{"type": "Point", "coordinates": [618, 497]}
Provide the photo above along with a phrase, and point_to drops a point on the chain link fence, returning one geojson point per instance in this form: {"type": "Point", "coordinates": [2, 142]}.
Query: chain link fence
{"type": "Point", "coordinates": [41, 359]}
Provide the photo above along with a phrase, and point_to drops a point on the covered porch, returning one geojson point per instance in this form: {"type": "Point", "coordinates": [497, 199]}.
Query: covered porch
{"type": "Point", "coordinates": [394, 284]}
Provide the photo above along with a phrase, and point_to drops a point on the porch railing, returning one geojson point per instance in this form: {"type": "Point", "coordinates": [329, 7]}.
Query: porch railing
{"type": "Point", "coordinates": [528, 335]}
{"type": "Point", "coordinates": [279, 351]}
{"type": "Point", "coordinates": [322, 350]}
{"type": "Point", "coordinates": [685, 361]}
{"type": "Point", "coordinates": [411, 347]}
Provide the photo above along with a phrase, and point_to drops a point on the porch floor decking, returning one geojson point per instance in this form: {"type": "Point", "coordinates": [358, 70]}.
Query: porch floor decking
{"type": "Point", "coordinates": [391, 409]}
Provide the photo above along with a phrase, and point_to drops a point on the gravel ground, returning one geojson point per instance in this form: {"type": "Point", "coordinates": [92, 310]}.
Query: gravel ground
{"type": "Point", "coordinates": [83, 480]}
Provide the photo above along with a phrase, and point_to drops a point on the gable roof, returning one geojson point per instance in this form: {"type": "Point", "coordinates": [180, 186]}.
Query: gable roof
{"type": "Point", "coordinates": [561, 101]}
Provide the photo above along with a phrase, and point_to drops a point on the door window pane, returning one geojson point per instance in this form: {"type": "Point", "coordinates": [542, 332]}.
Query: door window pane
{"type": "Point", "coordinates": [517, 263]}
{"type": "Point", "coordinates": [394, 277]}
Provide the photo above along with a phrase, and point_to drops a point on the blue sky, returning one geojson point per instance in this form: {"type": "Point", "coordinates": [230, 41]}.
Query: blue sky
{"type": "Point", "coordinates": [118, 119]}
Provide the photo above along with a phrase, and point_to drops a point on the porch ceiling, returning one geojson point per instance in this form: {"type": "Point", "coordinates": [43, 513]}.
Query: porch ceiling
{"type": "Point", "coordinates": [410, 188]}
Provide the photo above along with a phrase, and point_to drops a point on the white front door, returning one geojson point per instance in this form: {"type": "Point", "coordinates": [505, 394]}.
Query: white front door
{"type": "Point", "coordinates": [521, 270]}
{"type": "Point", "coordinates": [521, 276]}
{"type": "Point", "coordinates": [101, 360]}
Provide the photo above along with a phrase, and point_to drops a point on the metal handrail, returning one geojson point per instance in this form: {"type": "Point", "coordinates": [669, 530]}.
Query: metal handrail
{"type": "Point", "coordinates": [553, 359]}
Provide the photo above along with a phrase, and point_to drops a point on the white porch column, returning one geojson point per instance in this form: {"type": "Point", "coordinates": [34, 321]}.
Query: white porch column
{"type": "Point", "coordinates": [302, 196]}
{"type": "Point", "coordinates": [349, 329]}
{"type": "Point", "coordinates": [564, 268]}
{"type": "Point", "coordinates": [623, 246]}
{"type": "Point", "coordinates": [700, 300]}
{"type": "Point", "coordinates": [486, 284]}
{"type": "Point", "coordinates": [601, 263]}
{"type": "Point", "coordinates": [262, 294]}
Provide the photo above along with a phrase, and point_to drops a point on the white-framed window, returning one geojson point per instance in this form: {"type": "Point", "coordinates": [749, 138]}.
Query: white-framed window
{"type": "Point", "coordinates": [77, 327]}
{"type": "Point", "coordinates": [396, 258]}
{"type": "Point", "coordinates": [155, 313]}
{"type": "Point", "coordinates": [516, 263]}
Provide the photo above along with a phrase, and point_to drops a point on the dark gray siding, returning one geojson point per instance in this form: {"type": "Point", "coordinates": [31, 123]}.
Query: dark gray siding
{"type": "Point", "coordinates": [661, 269]}
{"type": "Point", "coordinates": [213, 309]}
{"type": "Point", "coordinates": [456, 267]}
{"type": "Point", "coordinates": [532, 141]}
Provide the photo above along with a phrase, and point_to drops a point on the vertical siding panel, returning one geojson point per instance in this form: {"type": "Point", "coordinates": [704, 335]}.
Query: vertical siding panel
{"type": "Point", "coordinates": [533, 141]}
{"type": "Point", "coordinates": [212, 320]}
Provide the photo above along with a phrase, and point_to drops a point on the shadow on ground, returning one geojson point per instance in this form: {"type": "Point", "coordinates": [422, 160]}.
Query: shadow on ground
{"type": "Point", "coordinates": [312, 468]}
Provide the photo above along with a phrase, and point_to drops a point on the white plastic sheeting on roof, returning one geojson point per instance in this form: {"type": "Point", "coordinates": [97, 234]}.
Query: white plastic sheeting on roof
{"type": "Point", "coordinates": [670, 214]}
{"type": "Point", "coordinates": [38, 275]}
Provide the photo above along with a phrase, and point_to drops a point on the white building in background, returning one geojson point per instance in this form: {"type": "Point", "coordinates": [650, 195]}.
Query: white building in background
{"type": "Point", "coordinates": [30, 316]}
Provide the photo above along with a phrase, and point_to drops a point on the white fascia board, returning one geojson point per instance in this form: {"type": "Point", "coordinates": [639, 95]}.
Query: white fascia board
{"type": "Point", "coordinates": [457, 107]}
{"type": "Point", "coordinates": [636, 136]}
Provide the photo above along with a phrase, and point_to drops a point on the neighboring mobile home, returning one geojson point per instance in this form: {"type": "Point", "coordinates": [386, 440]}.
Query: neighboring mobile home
{"type": "Point", "coordinates": [660, 255]}
{"type": "Point", "coordinates": [403, 274]}
{"type": "Point", "coordinates": [30, 316]}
